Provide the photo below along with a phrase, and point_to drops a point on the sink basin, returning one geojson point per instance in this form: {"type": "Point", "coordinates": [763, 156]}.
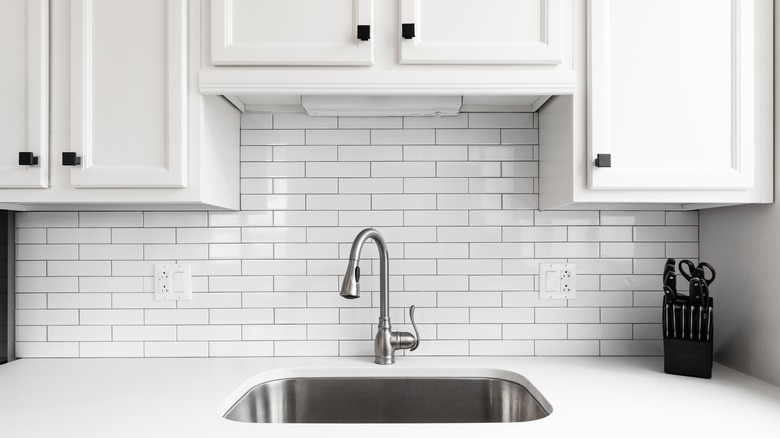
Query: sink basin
{"type": "Point", "coordinates": [466, 398]}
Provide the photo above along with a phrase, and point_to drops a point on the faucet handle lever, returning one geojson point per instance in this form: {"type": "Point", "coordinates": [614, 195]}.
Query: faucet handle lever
{"type": "Point", "coordinates": [414, 326]}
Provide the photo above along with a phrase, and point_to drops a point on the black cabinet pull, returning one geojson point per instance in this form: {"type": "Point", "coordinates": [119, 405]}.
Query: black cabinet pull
{"type": "Point", "coordinates": [604, 160]}
{"type": "Point", "coordinates": [70, 159]}
{"type": "Point", "coordinates": [407, 31]}
{"type": "Point", "coordinates": [27, 159]}
{"type": "Point", "coordinates": [364, 32]}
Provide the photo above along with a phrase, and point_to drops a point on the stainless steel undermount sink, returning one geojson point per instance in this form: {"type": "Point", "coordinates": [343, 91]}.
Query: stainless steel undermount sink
{"type": "Point", "coordinates": [466, 397]}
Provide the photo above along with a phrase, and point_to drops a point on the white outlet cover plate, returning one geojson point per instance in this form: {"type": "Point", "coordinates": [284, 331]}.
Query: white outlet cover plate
{"type": "Point", "coordinates": [173, 282]}
{"type": "Point", "coordinates": [557, 281]}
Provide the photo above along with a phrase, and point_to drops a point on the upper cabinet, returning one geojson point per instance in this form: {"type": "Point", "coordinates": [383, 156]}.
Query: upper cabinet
{"type": "Point", "coordinates": [676, 106]}
{"type": "Point", "coordinates": [292, 32]}
{"type": "Point", "coordinates": [485, 47]}
{"type": "Point", "coordinates": [24, 87]}
{"type": "Point", "coordinates": [128, 127]}
{"type": "Point", "coordinates": [481, 32]}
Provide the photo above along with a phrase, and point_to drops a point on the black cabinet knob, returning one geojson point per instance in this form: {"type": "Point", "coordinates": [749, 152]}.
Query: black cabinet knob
{"type": "Point", "coordinates": [70, 159]}
{"type": "Point", "coordinates": [363, 32]}
{"type": "Point", "coordinates": [604, 160]}
{"type": "Point", "coordinates": [407, 31]}
{"type": "Point", "coordinates": [27, 159]}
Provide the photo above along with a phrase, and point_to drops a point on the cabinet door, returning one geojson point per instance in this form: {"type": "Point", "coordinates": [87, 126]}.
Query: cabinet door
{"type": "Point", "coordinates": [481, 31]}
{"type": "Point", "coordinates": [24, 92]}
{"type": "Point", "coordinates": [128, 93]}
{"type": "Point", "coordinates": [291, 32]}
{"type": "Point", "coordinates": [672, 93]}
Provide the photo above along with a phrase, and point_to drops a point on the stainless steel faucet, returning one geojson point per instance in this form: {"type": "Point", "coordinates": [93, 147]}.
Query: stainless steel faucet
{"type": "Point", "coordinates": [386, 340]}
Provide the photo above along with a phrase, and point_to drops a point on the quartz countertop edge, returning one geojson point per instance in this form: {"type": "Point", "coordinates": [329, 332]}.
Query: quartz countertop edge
{"type": "Point", "coordinates": [173, 397]}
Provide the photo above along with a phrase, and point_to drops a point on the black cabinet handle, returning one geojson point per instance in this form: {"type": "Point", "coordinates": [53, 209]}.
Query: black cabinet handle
{"type": "Point", "coordinates": [604, 160]}
{"type": "Point", "coordinates": [407, 31]}
{"type": "Point", "coordinates": [27, 159]}
{"type": "Point", "coordinates": [70, 159]}
{"type": "Point", "coordinates": [364, 32]}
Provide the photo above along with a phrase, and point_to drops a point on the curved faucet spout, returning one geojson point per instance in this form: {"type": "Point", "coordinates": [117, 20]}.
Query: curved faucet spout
{"type": "Point", "coordinates": [386, 341]}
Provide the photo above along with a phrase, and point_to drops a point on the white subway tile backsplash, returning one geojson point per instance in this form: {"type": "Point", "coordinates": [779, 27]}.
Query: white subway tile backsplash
{"type": "Point", "coordinates": [456, 199]}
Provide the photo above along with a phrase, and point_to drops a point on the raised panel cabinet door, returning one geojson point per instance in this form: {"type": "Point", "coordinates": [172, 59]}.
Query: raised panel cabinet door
{"type": "Point", "coordinates": [672, 93]}
{"type": "Point", "coordinates": [128, 93]}
{"type": "Point", "coordinates": [24, 93]}
{"type": "Point", "coordinates": [292, 32]}
{"type": "Point", "coordinates": [481, 31]}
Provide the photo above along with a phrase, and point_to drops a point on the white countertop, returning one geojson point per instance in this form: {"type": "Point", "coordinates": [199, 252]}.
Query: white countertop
{"type": "Point", "coordinates": [186, 397]}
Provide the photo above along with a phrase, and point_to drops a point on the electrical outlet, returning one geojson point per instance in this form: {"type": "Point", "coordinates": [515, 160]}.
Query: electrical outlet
{"type": "Point", "coordinates": [172, 282]}
{"type": "Point", "coordinates": [557, 281]}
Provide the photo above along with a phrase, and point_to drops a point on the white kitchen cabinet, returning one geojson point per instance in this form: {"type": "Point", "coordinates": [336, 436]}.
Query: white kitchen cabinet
{"type": "Point", "coordinates": [481, 32]}
{"type": "Point", "coordinates": [258, 49]}
{"type": "Point", "coordinates": [126, 112]}
{"type": "Point", "coordinates": [678, 96]}
{"type": "Point", "coordinates": [24, 87]}
{"type": "Point", "coordinates": [292, 32]}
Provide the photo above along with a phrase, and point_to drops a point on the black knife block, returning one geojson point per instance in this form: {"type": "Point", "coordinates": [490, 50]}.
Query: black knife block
{"type": "Point", "coordinates": [688, 357]}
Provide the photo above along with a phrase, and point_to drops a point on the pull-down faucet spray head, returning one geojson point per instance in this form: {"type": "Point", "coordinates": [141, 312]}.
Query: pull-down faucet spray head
{"type": "Point", "coordinates": [350, 288]}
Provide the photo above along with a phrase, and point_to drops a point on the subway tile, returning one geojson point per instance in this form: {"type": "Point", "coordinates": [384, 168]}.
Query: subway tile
{"type": "Point", "coordinates": [41, 219]}
{"type": "Point", "coordinates": [176, 252]}
{"type": "Point", "coordinates": [411, 267]}
{"type": "Point", "coordinates": [599, 298]}
{"type": "Point", "coordinates": [273, 170]}
{"type": "Point", "coordinates": [176, 316]}
{"type": "Point", "coordinates": [469, 234]}
{"type": "Point", "coordinates": [467, 169]}
{"type": "Point", "coordinates": [306, 348]}
{"type": "Point", "coordinates": [384, 218]}
{"type": "Point", "coordinates": [30, 268]}
{"type": "Point", "coordinates": [630, 315]}
{"type": "Point", "coordinates": [648, 331]}
{"type": "Point", "coordinates": [111, 349]}
{"type": "Point", "coordinates": [134, 268]}
{"type": "Point", "coordinates": [338, 202]}
{"type": "Point", "coordinates": [78, 235]}
{"type": "Point", "coordinates": [632, 218]}
{"type": "Point", "coordinates": [436, 250]}
{"type": "Point", "coordinates": [30, 333]}
{"type": "Point", "coordinates": [525, 266]}
{"type": "Point", "coordinates": [306, 316]}
{"type": "Point", "coordinates": [273, 234]}
{"type": "Point", "coordinates": [682, 218]}
{"type": "Point", "coordinates": [436, 283]}
{"type": "Point", "coordinates": [47, 349]}
{"type": "Point", "coordinates": [468, 266]}
{"type": "Point", "coordinates": [79, 301]}
{"type": "Point", "coordinates": [468, 202]}
{"type": "Point", "coordinates": [651, 298]}
{"type": "Point", "coordinates": [264, 267]}
{"type": "Point", "coordinates": [69, 268]}
{"type": "Point", "coordinates": [337, 137]}
{"type": "Point", "coordinates": [139, 301]}
{"type": "Point", "coordinates": [47, 252]}
{"type": "Point", "coordinates": [273, 202]}
{"type": "Point", "coordinates": [567, 315]}
{"type": "Point", "coordinates": [501, 315]}
{"type": "Point", "coordinates": [370, 122]}
{"type": "Point", "coordinates": [501, 348]}
{"type": "Point", "coordinates": [469, 331]}
{"type": "Point", "coordinates": [501, 120]}
{"type": "Point", "coordinates": [304, 153]}
{"type": "Point", "coordinates": [95, 219]}
{"type": "Point", "coordinates": [208, 235]}
{"type": "Point", "coordinates": [501, 250]}
{"type": "Point", "coordinates": [297, 283]}
{"type": "Point", "coordinates": [459, 121]}
{"type": "Point", "coordinates": [467, 299]}
{"type": "Point", "coordinates": [443, 348]}
{"type": "Point", "coordinates": [439, 315]}
{"type": "Point", "coordinates": [215, 267]}
{"type": "Point", "coordinates": [370, 153]}
{"type": "Point", "coordinates": [241, 251]}
{"type": "Point", "coordinates": [435, 185]}
{"type": "Point", "coordinates": [403, 202]}
{"type": "Point", "coordinates": [111, 317]}
{"type": "Point", "coordinates": [79, 333]}
{"type": "Point", "coordinates": [666, 234]}
{"type": "Point", "coordinates": [273, 137]}
{"type": "Point", "coordinates": [567, 347]}
{"type": "Point", "coordinates": [368, 315]}
{"type": "Point", "coordinates": [599, 331]}
{"type": "Point", "coordinates": [175, 219]}
{"type": "Point", "coordinates": [648, 266]}
{"type": "Point", "coordinates": [340, 332]}
{"type": "Point", "coordinates": [520, 201]}
{"type": "Point", "coordinates": [241, 349]}
{"type": "Point", "coordinates": [274, 300]}
{"type": "Point", "coordinates": [403, 137]}
{"type": "Point", "coordinates": [632, 250]}
{"type": "Point", "coordinates": [435, 153]}
{"type": "Point", "coordinates": [632, 348]}
{"type": "Point", "coordinates": [176, 349]}
{"type": "Point", "coordinates": [208, 333]}
{"type": "Point", "coordinates": [219, 300]}
{"type": "Point", "coordinates": [564, 250]}
{"type": "Point", "coordinates": [631, 282]}
{"type": "Point", "coordinates": [274, 332]}
{"type": "Point", "coordinates": [256, 153]}
{"type": "Point", "coordinates": [305, 186]}
{"type": "Point", "coordinates": [256, 121]}
{"type": "Point", "coordinates": [111, 252]}
{"type": "Point", "coordinates": [501, 217]}
{"type": "Point", "coordinates": [144, 333]}
{"type": "Point", "coordinates": [356, 348]}
{"type": "Point", "coordinates": [682, 250]}
{"type": "Point", "coordinates": [520, 169]}
{"type": "Point", "coordinates": [305, 251]}
{"type": "Point", "coordinates": [534, 331]}
{"type": "Point", "coordinates": [603, 266]}
{"type": "Point", "coordinates": [240, 219]}
{"type": "Point", "coordinates": [519, 136]}
{"type": "Point", "coordinates": [535, 234]}
{"type": "Point", "coordinates": [31, 301]}
{"type": "Point", "coordinates": [435, 217]}
{"type": "Point", "coordinates": [501, 282]}
{"type": "Point", "coordinates": [468, 136]}
{"type": "Point", "coordinates": [501, 153]}
{"type": "Point", "coordinates": [501, 185]}
{"type": "Point", "coordinates": [303, 121]}
{"type": "Point", "coordinates": [143, 235]}
{"type": "Point", "coordinates": [370, 185]}
{"type": "Point", "coordinates": [403, 169]}
{"type": "Point", "coordinates": [256, 186]}
{"type": "Point", "coordinates": [600, 234]}
{"type": "Point", "coordinates": [30, 235]}
{"type": "Point", "coordinates": [551, 217]}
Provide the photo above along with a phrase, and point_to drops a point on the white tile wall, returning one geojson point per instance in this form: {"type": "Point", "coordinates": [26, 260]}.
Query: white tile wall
{"type": "Point", "coordinates": [454, 197]}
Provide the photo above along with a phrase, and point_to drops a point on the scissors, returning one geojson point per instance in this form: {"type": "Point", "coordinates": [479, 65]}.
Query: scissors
{"type": "Point", "coordinates": [689, 271]}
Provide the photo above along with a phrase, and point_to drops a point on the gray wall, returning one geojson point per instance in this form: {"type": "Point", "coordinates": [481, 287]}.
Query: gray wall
{"type": "Point", "coordinates": [744, 245]}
